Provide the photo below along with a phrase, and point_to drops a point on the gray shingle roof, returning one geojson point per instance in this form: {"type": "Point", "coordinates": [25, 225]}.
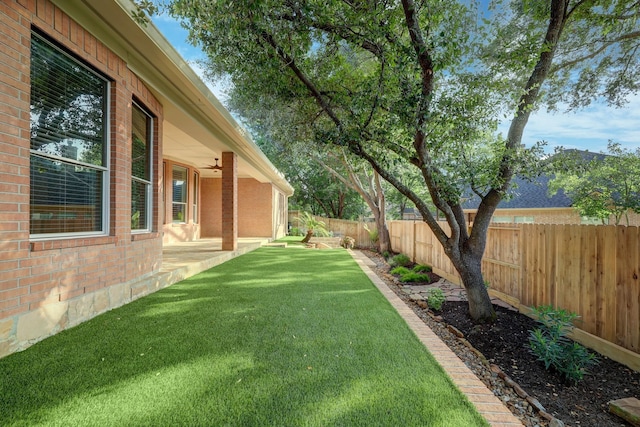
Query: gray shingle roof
{"type": "Point", "coordinates": [526, 194]}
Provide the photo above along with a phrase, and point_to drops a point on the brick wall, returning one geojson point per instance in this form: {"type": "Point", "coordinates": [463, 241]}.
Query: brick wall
{"type": "Point", "coordinates": [255, 201]}
{"type": "Point", "coordinates": [211, 208]}
{"type": "Point", "coordinates": [255, 208]}
{"type": "Point", "coordinates": [187, 231]}
{"type": "Point", "coordinates": [46, 286]}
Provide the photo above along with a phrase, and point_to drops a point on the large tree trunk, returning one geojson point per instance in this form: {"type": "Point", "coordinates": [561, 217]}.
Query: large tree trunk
{"type": "Point", "coordinates": [469, 266]}
{"type": "Point", "coordinates": [384, 240]}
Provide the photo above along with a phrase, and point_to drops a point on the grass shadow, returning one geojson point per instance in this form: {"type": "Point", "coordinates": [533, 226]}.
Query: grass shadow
{"type": "Point", "coordinates": [274, 337]}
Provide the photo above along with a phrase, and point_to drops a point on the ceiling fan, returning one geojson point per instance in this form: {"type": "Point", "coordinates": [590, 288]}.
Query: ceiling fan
{"type": "Point", "coordinates": [215, 168]}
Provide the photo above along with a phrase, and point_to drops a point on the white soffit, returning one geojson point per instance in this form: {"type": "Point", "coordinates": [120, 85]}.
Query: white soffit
{"type": "Point", "coordinates": [197, 127]}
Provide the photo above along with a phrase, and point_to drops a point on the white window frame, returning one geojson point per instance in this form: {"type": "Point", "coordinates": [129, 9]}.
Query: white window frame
{"type": "Point", "coordinates": [194, 202]}
{"type": "Point", "coordinates": [185, 219]}
{"type": "Point", "coordinates": [149, 183]}
{"type": "Point", "coordinates": [105, 168]}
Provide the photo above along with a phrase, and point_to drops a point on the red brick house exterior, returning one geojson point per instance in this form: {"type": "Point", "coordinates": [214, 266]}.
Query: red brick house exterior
{"type": "Point", "coordinates": [105, 133]}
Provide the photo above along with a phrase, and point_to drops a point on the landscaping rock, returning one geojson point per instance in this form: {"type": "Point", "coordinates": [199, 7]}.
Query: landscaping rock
{"type": "Point", "coordinates": [556, 423]}
{"type": "Point", "coordinates": [628, 409]}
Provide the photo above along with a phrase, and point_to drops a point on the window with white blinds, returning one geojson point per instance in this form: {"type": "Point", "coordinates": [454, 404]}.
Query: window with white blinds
{"type": "Point", "coordinates": [194, 201]}
{"type": "Point", "coordinates": [69, 144]}
{"type": "Point", "coordinates": [141, 152]}
{"type": "Point", "coordinates": [179, 183]}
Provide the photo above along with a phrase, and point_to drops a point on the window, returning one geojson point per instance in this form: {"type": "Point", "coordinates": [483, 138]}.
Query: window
{"type": "Point", "coordinates": [502, 219]}
{"type": "Point", "coordinates": [195, 197]}
{"type": "Point", "coordinates": [141, 154]}
{"type": "Point", "coordinates": [179, 194]}
{"type": "Point", "coordinates": [592, 220]}
{"type": "Point", "coordinates": [69, 145]}
{"type": "Point", "coordinates": [523, 220]}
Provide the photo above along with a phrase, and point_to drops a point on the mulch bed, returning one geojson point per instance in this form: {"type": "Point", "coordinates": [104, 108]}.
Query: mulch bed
{"type": "Point", "coordinates": [504, 344]}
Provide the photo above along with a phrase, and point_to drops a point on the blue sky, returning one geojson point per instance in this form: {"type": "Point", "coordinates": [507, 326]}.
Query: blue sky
{"type": "Point", "coordinates": [588, 129]}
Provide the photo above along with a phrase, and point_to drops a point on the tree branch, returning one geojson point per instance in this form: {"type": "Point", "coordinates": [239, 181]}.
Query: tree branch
{"type": "Point", "coordinates": [531, 93]}
{"type": "Point", "coordinates": [605, 44]}
{"type": "Point", "coordinates": [291, 64]}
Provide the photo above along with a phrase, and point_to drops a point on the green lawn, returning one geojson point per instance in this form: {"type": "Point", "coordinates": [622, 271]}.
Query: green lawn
{"type": "Point", "coordinates": [277, 337]}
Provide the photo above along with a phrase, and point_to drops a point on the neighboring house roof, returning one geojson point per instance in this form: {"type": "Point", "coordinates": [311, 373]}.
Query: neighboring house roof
{"type": "Point", "coordinates": [528, 194]}
{"type": "Point", "coordinates": [196, 126]}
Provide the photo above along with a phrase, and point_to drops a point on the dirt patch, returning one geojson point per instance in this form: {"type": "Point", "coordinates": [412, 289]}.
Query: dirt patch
{"type": "Point", "coordinates": [504, 344]}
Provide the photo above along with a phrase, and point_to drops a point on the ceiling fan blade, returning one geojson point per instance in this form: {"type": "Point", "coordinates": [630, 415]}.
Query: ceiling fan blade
{"type": "Point", "coordinates": [215, 168]}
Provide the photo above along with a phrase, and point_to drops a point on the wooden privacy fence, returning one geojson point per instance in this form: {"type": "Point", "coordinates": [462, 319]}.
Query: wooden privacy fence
{"type": "Point", "coordinates": [341, 228]}
{"type": "Point", "coordinates": [355, 229]}
{"type": "Point", "coordinates": [590, 270]}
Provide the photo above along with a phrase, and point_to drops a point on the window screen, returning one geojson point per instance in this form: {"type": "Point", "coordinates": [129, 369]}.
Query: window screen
{"type": "Point", "coordinates": [196, 180]}
{"type": "Point", "coordinates": [141, 144]}
{"type": "Point", "coordinates": [179, 183]}
{"type": "Point", "coordinates": [68, 144]}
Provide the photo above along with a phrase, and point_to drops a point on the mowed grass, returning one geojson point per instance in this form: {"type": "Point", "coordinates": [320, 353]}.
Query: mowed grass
{"type": "Point", "coordinates": [277, 337]}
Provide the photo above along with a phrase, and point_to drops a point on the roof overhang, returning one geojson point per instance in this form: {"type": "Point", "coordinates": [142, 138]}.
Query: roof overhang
{"type": "Point", "coordinates": [196, 128]}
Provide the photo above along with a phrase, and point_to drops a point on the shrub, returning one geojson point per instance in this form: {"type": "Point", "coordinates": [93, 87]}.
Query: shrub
{"type": "Point", "coordinates": [400, 271]}
{"type": "Point", "coordinates": [421, 268]}
{"type": "Point", "coordinates": [385, 254]}
{"type": "Point", "coordinates": [401, 260]}
{"type": "Point", "coordinates": [373, 235]}
{"type": "Point", "coordinates": [295, 231]}
{"type": "Point", "coordinates": [435, 298]}
{"type": "Point", "coordinates": [313, 226]}
{"type": "Point", "coordinates": [549, 343]}
{"type": "Point", "coordinates": [347, 242]}
{"type": "Point", "coordinates": [412, 276]}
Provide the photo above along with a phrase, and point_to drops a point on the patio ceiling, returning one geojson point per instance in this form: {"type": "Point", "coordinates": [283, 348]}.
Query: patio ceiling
{"type": "Point", "coordinates": [196, 127]}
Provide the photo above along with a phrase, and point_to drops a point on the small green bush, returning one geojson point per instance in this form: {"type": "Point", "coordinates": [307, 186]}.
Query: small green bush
{"type": "Point", "coordinates": [399, 271]}
{"type": "Point", "coordinates": [295, 231]}
{"type": "Point", "coordinates": [385, 254]}
{"type": "Point", "coordinates": [373, 234]}
{"type": "Point", "coordinates": [549, 343]}
{"type": "Point", "coordinates": [401, 260]}
{"type": "Point", "coordinates": [412, 276]}
{"type": "Point", "coordinates": [435, 298]}
{"type": "Point", "coordinates": [421, 268]}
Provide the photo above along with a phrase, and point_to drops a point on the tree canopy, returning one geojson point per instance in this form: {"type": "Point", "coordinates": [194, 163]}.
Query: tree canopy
{"type": "Point", "coordinates": [424, 83]}
{"type": "Point", "coordinates": [600, 186]}
{"type": "Point", "coordinates": [316, 189]}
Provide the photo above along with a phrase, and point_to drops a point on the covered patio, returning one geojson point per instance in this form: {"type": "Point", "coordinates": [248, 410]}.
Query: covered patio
{"type": "Point", "coordinates": [185, 259]}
